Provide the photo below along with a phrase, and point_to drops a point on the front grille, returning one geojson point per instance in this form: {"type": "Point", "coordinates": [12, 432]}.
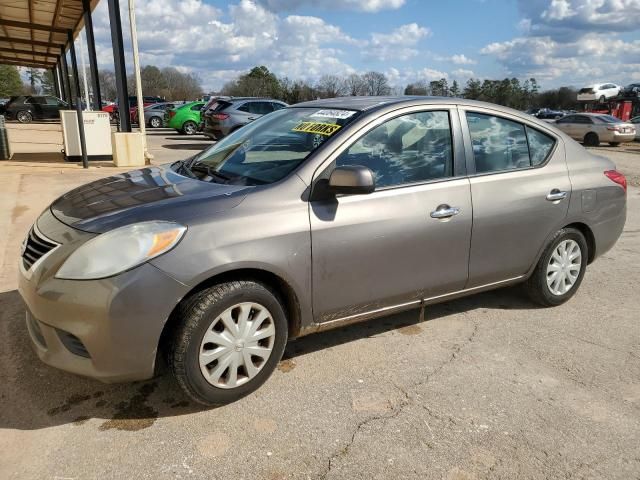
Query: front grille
{"type": "Point", "coordinates": [73, 343]}
{"type": "Point", "coordinates": [35, 248]}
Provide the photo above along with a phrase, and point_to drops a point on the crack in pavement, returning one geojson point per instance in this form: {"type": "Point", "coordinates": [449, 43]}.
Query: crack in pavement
{"type": "Point", "coordinates": [406, 400]}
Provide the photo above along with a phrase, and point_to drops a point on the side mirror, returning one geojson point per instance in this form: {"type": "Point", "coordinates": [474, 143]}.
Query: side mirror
{"type": "Point", "coordinates": [352, 180]}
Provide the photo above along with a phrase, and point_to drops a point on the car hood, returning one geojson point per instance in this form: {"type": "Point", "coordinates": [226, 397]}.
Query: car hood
{"type": "Point", "coordinates": [153, 193]}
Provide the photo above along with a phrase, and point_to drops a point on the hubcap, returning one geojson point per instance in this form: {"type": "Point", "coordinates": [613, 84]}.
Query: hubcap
{"type": "Point", "coordinates": [237, 345]}
{"type": "Point", "coordinates": [155, 122]}
{"type": "Point", "coordinates": [189, 129]}
{"type": "Point", "coordinates": [564, 267]}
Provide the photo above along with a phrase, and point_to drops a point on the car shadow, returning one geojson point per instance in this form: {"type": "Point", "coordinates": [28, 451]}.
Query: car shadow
{"type": "Point", "coordinates": [187, 146]}
{"type": "Point", "coordinates": [36, 396]}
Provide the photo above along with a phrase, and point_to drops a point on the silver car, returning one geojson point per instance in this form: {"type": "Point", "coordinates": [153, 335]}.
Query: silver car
{"type": "Point", "coordinates": [594, 128]}
{"type": "Point", "coordinates": [315, 216]}
{"type": "Point", "coordinates": [229, 114]}
{"type": "Point", "coordinates": [154, 114]}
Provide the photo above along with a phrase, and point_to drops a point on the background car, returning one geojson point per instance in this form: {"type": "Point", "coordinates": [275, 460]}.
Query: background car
{"type": "Point", "coordinates": [231, 114]}
{"type": "Point", "coordinates": [185, 118]}
{"type": "Point", "coordinates": [600, 92]}
{"type": "Point", "coordinates": [593, 128]}
{"type": "Point", "coordinates": [631, 91]}
{"type": "Point", "coordinates": [636, 121]}
{"type": "Point", "coordinates": [548, 114]}
{"type": "Point", "coordinates": [26, 108]}
{"type": "Point", "coordinates": [154, 114]}
{"type": "Point", "coordinates": [113, 109]}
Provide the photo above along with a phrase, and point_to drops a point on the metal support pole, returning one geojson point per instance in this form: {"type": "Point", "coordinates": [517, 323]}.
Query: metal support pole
{"type": "Point", "coordinates": [93, 61]}
{"type": "Point", "coordinates": [136, 69]}
{"type": "Point", "coordinates": [83, 140]}
{"type": "Point", "coordinates": [56, 85]}
{"type": "Point", "coordinates": [66, 87]}
{"type": "Point", "coordinates": [119, 65]}
{"type": "Point", "coordinates": [74, 66]}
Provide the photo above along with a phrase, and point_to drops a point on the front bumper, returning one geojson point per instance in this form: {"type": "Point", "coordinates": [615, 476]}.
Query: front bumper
{"type": "Point", "coordinates": [107, 329]}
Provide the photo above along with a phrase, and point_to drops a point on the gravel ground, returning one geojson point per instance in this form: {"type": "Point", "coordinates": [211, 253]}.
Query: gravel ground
{"type": "Point", "coordinates": [484, 387]}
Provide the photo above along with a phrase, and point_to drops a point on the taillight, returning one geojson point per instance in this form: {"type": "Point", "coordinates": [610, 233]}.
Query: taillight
{"type": "Point", "coordinates": [221, 116]}
{"type": "Point", "coordinates": [617, 177]}
{"type": "Point", "coordinates": [172, 113]}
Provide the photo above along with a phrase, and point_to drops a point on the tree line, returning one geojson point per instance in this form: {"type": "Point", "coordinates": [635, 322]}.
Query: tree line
{"type": "Point", "coordinates": [172, 84]}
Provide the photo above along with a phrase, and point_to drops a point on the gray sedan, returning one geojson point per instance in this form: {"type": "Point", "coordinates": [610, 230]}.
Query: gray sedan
{"type": "Point", "coordinates": [154, 114]}
{"type": "Point", "coordinates": [312, 217]}
{"type": "Point", "coordinates": [593, 128]}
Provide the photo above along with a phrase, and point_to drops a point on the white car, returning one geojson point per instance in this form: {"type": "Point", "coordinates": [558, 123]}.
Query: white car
{"type": "Point", "coordinates": [600, 92]}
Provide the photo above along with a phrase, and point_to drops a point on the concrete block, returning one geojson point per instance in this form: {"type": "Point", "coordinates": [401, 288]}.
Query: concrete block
{"type": "Point", "coordinates": [128, 149]}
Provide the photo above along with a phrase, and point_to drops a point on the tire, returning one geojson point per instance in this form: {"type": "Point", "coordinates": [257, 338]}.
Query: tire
{"type": "Point", "coordinates": [24, 116]}
{"type": "Point", "coordinates": [537, 285]}
{"type": "Point", "coordinates": [201, 315]}
{"type": "Point", "coordinates": [155, 122]}
{"type": "Point", "coordinates": [189, 127]}
{"type": "Point", "coordinates": [614, 144]}
{"type": "Point", "coordinates": [591, 139]}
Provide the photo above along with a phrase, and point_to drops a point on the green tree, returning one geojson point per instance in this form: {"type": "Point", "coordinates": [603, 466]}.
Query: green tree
{"type": "Point", "coordinates": [473, 89]}
{"type": "Point", "coordinates": [439, 88]}
{"type": "Point", "coordinates": [259, 82]}
{"type": "Point", "coordinates": [10, 81]}
{"type": "Point", "coordinates": [454, 91]}
{"type": "Point", "coordinates": [47, 86]}
{"type": "Point", "coordinates": [417, 88]}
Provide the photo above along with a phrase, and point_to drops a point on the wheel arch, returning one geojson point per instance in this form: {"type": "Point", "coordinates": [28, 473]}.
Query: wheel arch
{"type": "Point", "coordinates": [282, 288]}
{"type": "Point", "coordinates": [589, 237]}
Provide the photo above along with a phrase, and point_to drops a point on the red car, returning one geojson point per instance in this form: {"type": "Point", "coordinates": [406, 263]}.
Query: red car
{"type": "Point", "coordinates": [133, 109]}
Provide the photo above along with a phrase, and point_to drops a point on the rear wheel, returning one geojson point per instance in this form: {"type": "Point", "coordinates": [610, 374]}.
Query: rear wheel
{"type": "Point", "coordinates": [155, 122]}
{"type": "Point", "coordinates": [231, 338]}
{"type": "Point", "coordinates": [189, 128]}
{"type": "Point", "coordinates": [24, 117]}
{"type": "Point", "coordinates": [560, 269]}
{"type": "Point", "coordinates": [591, 139]}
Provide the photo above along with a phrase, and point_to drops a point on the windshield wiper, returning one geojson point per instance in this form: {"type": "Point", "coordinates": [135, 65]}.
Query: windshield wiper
{"type": "Point", "coordinates": [183, 167]}
{"type": "Point", "coordinates": [209, 171]}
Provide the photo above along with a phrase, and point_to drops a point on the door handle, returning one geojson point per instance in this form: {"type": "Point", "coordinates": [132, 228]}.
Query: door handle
{"type": "Point", "coordinates": [251, 118]}
{"type": "Point", "coordinates": [556, 195]}
{"type": "Point", "coordinates": [445, 211]}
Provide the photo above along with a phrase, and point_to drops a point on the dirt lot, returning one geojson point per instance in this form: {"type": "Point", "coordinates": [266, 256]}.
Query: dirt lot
{"type": "Point", "coordinates": [485, 387]}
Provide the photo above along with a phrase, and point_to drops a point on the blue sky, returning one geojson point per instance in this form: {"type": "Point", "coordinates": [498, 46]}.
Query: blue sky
{"type": "Point", "coordinates": [560, 42]}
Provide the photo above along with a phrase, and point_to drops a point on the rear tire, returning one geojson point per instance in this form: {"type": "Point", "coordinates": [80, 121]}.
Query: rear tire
{"type": "Point", "coordinates": [24, 117]}
{"type": "Point", "coordinates": [189, 128]}
{"type": "Point", "coordinates": [557, 277]}
{"type": "Point", "coordinates": [155, 122]}
{"type": "Point", "coordinates": [591, 139]}
{"type": "Point", "coordinates": [210, 329]}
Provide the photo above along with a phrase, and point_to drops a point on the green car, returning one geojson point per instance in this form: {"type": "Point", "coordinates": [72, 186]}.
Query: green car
{"type": "Point", "coordinates": [186, 118]}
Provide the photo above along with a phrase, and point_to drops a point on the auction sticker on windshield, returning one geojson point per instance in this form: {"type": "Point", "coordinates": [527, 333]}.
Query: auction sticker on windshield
{"type": "Point", "coordinates": [319, 128]}
{"type": "Point", "coordinates": [337, 114]}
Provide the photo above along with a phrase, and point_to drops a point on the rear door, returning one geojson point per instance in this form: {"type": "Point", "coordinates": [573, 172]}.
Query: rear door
{"type": "Point", "coordinates": [392, 248]}
{"type": "Point", "coordinates": [520, 190]}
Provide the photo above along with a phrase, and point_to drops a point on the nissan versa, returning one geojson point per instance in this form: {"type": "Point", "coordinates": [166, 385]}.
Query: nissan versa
{"type": "Point", "coordinates": [314, 216]}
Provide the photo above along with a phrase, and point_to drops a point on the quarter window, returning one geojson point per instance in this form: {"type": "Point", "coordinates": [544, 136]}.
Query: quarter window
{"type": "Point", "coordinates": [412, 148]}
{"type": "Point", "coordinates": [540, 146]}
{"type": "Point", "coordinates": [498, 144]}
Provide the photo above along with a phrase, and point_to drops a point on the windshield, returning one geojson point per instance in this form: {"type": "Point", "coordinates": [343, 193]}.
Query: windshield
{"type": "Point", "coordinates": [268, 149]}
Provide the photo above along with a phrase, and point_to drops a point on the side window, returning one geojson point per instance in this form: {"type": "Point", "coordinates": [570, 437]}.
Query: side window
{"type": "Point", "coordinates": [196, 108]}
{"type": "Point", "coordinates": [540, 145]}
{"type": "Point", "coordinates": [498, 144]}
{"type": "Point", "coordinates": [412, 148]}
{"type": "Point", "coordinates": [247, 107]}
{"type": "Point", "coordinates": [277, 106]}
{"type": "Point", "coordinates": [583, 120]}
{"type": "Point", "coordinates": [52, 101]}
{"type": "Point", "coordinates": [262, 108]}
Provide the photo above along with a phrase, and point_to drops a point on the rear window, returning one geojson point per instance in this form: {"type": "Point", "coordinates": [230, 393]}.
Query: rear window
{"type": "Point", "coordinates": [221, 105]}
{"type": "Point", "coordinates": [608, 119]}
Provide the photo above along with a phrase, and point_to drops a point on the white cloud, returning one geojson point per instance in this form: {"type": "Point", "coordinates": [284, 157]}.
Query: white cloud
{"type": "Point", "coordinates": [359, 5]}
{"type": "Point", "coordinates": [398, 45]}
{"type": "Point", "coordinates": [462, 73]}
{"type": "Point", "coordinates": [462, 60]}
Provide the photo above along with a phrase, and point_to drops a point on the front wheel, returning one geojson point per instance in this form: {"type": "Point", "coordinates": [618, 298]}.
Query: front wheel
{"type": "Point", "coordinates": [189, 128]}
{"type": "Point", "coordinates": [24, 117]}
{"type": "Point", "coordinates": [230, 340]}
{"type": "Point", "coordinates": [560, 269]}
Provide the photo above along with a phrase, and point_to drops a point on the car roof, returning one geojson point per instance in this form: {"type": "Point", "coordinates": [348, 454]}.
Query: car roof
{"type": "Point", "coordinates": [362, 104]}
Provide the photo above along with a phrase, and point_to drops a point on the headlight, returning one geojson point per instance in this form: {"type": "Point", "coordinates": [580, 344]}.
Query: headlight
{"type": "Point", "coordinates": [121, 249]}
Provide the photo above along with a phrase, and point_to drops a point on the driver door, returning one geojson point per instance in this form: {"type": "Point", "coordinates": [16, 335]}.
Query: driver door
{"type": "Point", "coordinates": [391, 248]}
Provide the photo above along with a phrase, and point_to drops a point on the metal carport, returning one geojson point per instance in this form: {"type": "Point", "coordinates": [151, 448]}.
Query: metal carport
{"type": "Point", "coordinates": [40, 33]}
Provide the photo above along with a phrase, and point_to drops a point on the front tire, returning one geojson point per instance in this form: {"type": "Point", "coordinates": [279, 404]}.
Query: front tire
{"type": "Point", "coordinates": [230, 340]}
{"type": "Point", "coordinates": [560, 270]}
{"type": "Point", "coordinates": [189, 128]}
{"type": "Point", "coordinates": [591, 139]}
{"type": "Point", "coordinates": [24, 117]}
